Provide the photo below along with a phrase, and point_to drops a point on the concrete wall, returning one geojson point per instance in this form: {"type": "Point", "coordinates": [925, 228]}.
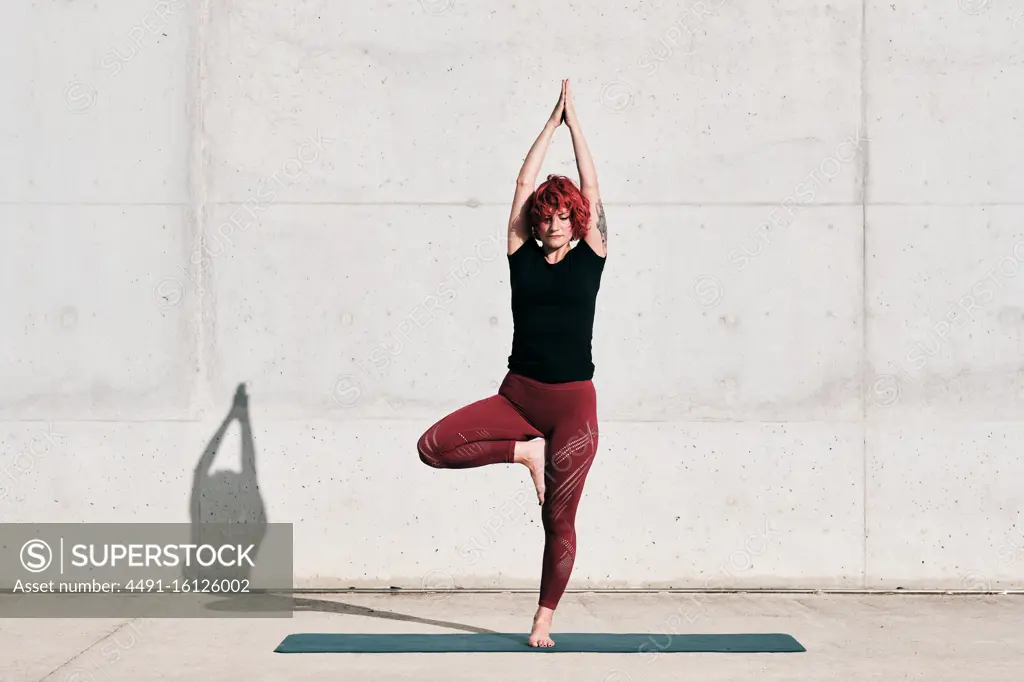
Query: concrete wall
{"type": "Point", "coordinates": [808, 337]}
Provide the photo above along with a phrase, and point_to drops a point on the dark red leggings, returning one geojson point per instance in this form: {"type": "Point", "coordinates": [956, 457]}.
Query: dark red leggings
{"type": "Point", "coordinates": [485, 432]}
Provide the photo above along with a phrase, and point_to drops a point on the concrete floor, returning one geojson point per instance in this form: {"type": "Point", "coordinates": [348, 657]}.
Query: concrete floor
{"type": "Point", "coordinates": [849, 637]}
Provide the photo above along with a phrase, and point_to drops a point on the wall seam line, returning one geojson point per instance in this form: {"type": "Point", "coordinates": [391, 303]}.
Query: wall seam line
{"type": "Point", "coordinates": [864, 141]}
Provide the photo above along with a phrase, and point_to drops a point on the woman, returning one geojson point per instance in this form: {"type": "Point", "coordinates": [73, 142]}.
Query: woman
{"type": "Point", "coordinates": [545, 412]}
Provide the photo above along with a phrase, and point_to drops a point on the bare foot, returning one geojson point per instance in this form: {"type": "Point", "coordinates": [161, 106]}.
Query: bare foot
{"type": "Point", "coordinates": [531, 453]}
{"type": "Point", "coordinates": [540, 636]}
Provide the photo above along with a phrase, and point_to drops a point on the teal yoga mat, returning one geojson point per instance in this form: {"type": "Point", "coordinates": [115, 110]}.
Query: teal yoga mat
{"type": "Point", "coordinates": [576, 642]}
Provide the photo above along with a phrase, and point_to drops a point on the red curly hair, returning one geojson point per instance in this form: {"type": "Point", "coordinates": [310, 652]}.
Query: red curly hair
{"type": "Point", "coordinates": [558, 193]}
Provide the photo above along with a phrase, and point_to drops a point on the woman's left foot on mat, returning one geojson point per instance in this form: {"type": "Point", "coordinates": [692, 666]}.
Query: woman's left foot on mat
{"type": "Point", "coordinates": [540, 636]}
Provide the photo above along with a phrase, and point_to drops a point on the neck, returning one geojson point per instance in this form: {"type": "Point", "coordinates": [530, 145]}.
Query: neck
{"type": "Point", "coordinates": [554, 255]}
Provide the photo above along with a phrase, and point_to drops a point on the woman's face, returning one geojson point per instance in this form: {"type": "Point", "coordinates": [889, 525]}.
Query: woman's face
{"type": "Point", "coordinates": [555, 230]}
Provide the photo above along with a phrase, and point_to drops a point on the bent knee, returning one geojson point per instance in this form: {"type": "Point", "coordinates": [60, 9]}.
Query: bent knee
{"type": "Point", "coordinates": [430, 461]}
{"type": "Point", "coordinates": [427, 454]}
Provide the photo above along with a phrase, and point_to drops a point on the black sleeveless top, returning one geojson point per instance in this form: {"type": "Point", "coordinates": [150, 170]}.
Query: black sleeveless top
{"type": "Point", "coordinates": [553, 312]}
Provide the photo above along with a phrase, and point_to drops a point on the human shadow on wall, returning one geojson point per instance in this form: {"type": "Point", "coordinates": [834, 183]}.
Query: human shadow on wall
{"type": "Point", "coordinates": [228, 497]}
{"type": "Point", "coordinates": [234, 498]}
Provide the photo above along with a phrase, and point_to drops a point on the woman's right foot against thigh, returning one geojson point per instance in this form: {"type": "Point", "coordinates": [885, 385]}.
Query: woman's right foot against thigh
{"type": "Point", "coordinates": [531, 453]}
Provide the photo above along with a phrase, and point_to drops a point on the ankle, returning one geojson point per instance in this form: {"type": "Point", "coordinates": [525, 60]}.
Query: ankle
{"type": "Point", "coordinates": [525, 450]}
{"type": "Point", "coordinates": [519, 452]}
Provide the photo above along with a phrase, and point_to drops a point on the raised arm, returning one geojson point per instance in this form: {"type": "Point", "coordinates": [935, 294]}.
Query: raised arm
{"type": "Point", "coordinates": [597, 229]}
{"type": "Point", "coordinates": [202, 469]}
{"type": "Point", "coordinates": [518, 227]}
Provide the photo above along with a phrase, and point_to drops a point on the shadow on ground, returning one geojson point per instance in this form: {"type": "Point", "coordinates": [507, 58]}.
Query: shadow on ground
{"type": "Point", "coordinates": [264, 603]}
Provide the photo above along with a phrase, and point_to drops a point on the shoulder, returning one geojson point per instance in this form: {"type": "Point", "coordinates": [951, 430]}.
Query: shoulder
{"type": "Point", "coordinates": [528, 245]}
{"type": "Point", "coordinates": [585, 245]}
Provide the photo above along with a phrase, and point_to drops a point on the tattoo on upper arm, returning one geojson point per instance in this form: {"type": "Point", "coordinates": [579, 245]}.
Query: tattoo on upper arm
{"type": "Point", "coordinates": [602, 225]}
